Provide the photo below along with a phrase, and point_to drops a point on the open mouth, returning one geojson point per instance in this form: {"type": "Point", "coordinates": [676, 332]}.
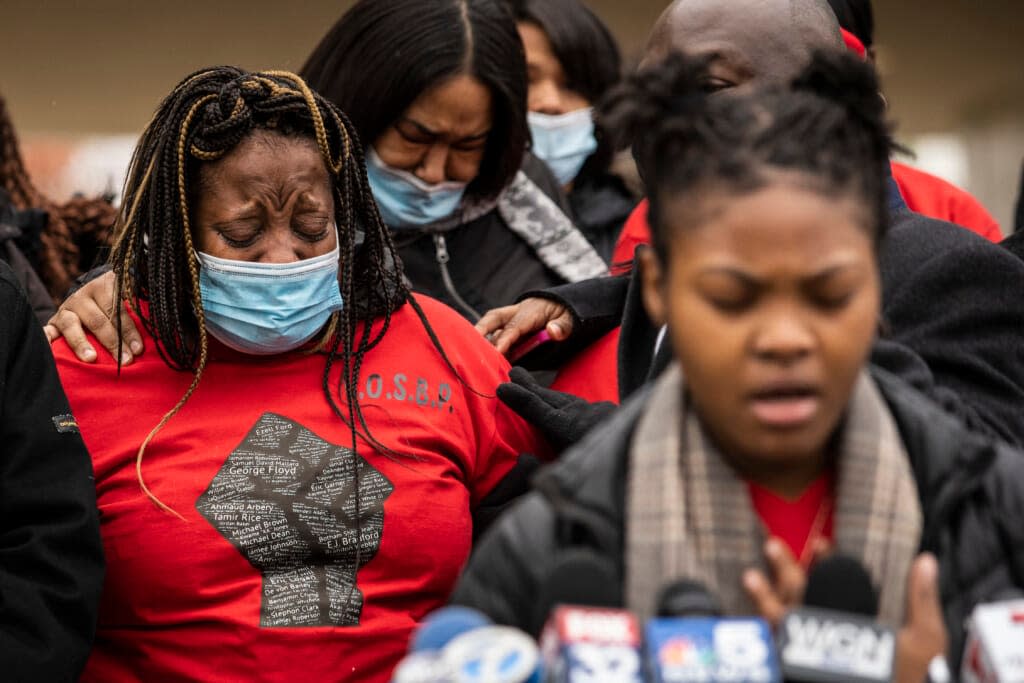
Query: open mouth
{"type": "Point", "coordinates": [785, 407]}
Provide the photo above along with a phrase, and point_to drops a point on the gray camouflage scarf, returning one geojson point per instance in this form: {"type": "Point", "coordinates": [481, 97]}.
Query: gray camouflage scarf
{"type": "Point", "coordinates": [538, 221]}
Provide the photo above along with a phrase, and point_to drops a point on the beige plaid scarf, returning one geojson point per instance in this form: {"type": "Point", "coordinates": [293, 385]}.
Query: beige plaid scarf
{"type": "Point", "coordinates": [689, 515]}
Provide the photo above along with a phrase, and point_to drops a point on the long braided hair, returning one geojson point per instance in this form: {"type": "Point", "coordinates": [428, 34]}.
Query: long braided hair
{"type": "Point", "coordinates": [205, 117]}
{"type": "Point", "coordinates": [75, 230]}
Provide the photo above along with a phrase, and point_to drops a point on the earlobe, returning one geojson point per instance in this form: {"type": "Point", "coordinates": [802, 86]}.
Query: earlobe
{"type": "Point", "coordinates": [652, 279]}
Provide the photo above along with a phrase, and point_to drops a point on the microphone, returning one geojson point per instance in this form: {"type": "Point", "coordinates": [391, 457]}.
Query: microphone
{"type": "Point", "coordinates": [834, 636]}
{"type": "Point", "coordinates": [442, 625]}
{"type": "Point", "coordinates": [461, 645]}
{"type": "Point", "coordinates": [995, 644]}
{"type": "Point", "coordinates": [597, 641]}
{"type": "Point", "coordinates": [841, 583]}
{"type": "Point", "coordinates": [422, 667]}
{"type": "Point", "coordinates": [577, 577]}
{"type": "Point", "coordinates": [688, 641]}
{"type": "Point", "coordinates": [687, 599]}
{"type": "Point", "coordinates": [592, 644]}
{"type": "Point", "coordinates": [708, 650]}
{"type": "Point", "coordinates": [424, 663]}
{"type": "Point", "coordinates": [493, 654]}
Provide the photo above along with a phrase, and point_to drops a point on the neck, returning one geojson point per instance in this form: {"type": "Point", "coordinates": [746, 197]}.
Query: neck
{"type": "Point", "coordinates": [788, 480]}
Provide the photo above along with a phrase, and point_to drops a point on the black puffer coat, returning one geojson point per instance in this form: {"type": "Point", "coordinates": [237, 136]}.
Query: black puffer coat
{"type": "Point", "coordinates": [600, 205]}
{"type": "Point", "coordinates": [971, 489]}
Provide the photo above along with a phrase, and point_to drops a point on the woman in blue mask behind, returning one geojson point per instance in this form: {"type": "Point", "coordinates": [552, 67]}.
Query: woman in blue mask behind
{"type": "Point", "coordinates": [572, 61]}
{"type": "Point", "coordinates": [438, 92]}
{"type": "Point", "coordinates": [292, 476]}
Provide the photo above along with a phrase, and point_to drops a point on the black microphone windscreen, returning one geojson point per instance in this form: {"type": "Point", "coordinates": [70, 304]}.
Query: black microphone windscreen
{"type": "Point", "coordinates": [842, 584]}
{"type": "Point", "coordinates": [685, 598]}
{"type": "Point", "coordinates": [577, 577]}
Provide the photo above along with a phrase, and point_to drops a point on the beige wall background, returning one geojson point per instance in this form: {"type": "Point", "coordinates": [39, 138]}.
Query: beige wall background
{"type": "Point", "coordinates": [71, 69]}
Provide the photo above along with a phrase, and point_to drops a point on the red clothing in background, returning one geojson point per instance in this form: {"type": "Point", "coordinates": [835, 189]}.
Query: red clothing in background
{"type": "Point", "coordinates": [932, 196]}
{"type": "Point", "coordinates": [593, 373]}
{"type": "Point", "coordinates": [254, 584]}
{"type": "Point", "coordinates": [635, 232]}
{"type": "Point", "coordinates": [924, 194]}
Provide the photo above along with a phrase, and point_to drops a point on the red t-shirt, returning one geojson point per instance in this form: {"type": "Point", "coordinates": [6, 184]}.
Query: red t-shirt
{"type": "Point", "coordinates": [253, 585]}
{"type": "Point", "coordinates": [924, 194]}
{"type": "Point", "coordinates": [793, 521]}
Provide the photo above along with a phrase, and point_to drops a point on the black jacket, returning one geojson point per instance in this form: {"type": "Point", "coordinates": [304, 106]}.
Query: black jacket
{"type": "Point", "coordinates": [51, 558]}
{"type": "Point", "coordinates": [952, 311]}
{"type": "Point", "coordinates": [971, 490]}
{"type": "Point", "coordinates": [600, 205]}
{"type": "Point", "coordinates": [952, 300]}
{"type": "Point", "coordinates": [488, 265]}
{"type": "Point", "coordinates": [1015, 242]}
{"type": "Point", "coordinates": [20, 247]}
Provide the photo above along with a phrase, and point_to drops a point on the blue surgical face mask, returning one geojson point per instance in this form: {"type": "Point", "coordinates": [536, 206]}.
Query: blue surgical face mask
{"type": "Point", "coordinates": [404, 200]}
{"type": "Point", "coordinates": [266, 308]}
{"type": "Point", "coordinates": [564, 142]}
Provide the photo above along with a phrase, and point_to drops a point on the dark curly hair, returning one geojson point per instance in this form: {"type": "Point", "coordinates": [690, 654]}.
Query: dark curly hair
{"type": "Point", "coordinates": [828, 124]}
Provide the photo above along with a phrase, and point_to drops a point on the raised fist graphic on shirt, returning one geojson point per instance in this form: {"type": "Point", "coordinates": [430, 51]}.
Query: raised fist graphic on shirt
{"type": "Point", "coordinates": [287, 500]}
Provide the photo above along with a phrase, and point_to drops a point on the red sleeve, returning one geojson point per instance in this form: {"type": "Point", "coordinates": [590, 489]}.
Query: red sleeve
{"type": "Point", "coordinates": [932, 196]}
{"type": "Point", "coordinates": [594, 373]}
{"type": "Point", "coordinates": [972, 215]}
{"type": "Point", "coordinates": [635, 232]}
{"type": "Point", "coordinates": [506, 437]}
{"type": "Point", "coordinates": [500, 434]}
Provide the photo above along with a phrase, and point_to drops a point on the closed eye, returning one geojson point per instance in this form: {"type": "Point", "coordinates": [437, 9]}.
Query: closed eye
{"type": "Point", "coordinates": [714, 85]}
{"type": "Point", "coordinates": [729, 290]}
{"type": "Point", "coordinates": [833, 288]}
{"type": "Point", "coordinates": [239, 234]}
{"type": "Point", "coordinates": [831, 301]}
{"type": "Point", "coordinates": [312, 236]}
{"type": "Point", "coordinates": [472, 144]}
{"type": "Point", "coordinates": [415, 138]}
{"type": "Point", "coordinates": [733, 303]}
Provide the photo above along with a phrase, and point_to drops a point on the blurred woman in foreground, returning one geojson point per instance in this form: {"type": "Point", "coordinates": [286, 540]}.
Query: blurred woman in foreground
{"type": "Point", "coordinates": [770, 440]}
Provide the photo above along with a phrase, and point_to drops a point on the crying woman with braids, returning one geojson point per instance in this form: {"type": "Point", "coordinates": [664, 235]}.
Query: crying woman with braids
{"type": "Point", "coordinates": [295, 478]}
{"type": "Point", "coordinates": [770, 442]}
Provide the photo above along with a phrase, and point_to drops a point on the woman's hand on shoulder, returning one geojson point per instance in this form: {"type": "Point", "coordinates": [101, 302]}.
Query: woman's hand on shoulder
{"type": "Point", "coordinates": [91, 309]}
{"type": "Point", "coordinates": [506, 326]}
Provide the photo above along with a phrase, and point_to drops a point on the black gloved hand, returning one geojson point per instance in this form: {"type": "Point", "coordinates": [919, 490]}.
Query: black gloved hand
{"type": "Point", "coordinates": [562, 418]}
